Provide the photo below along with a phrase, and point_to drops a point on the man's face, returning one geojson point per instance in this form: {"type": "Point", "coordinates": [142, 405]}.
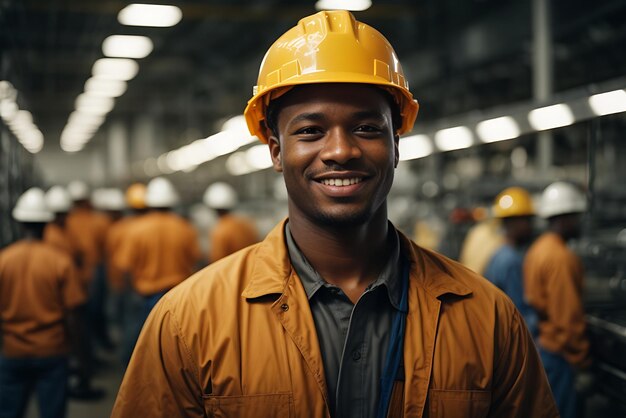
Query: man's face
{"type": "Point", "coordinates": [337, 151]}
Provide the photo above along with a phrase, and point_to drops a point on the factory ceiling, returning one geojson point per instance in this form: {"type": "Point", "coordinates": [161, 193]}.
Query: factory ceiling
{"type": "Point", "coordinates": [459, 55]}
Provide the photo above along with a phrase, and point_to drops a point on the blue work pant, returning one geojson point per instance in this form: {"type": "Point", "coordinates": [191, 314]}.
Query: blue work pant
{"type": "Point", "coordinates": [20, 377]}
{"type": "Point", "coordinates": [561, 377]}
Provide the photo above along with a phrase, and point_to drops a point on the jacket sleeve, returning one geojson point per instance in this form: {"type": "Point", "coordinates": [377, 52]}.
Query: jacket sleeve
{"type": "Point", "coordinates": [520, 385]}
{"type": "Point", "coordinates": [161, 379]}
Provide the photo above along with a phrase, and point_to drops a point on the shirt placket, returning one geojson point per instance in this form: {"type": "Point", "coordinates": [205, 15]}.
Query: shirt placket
{"type": "Point", "coordinates": [350, 395]}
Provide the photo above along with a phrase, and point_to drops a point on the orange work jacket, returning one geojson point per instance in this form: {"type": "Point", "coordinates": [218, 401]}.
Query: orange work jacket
{"type": "Point", "coordinates": [230, 234]}
{"type": "Point", "coordinates": [238, 340]}
{"type": "Point", "coordinates": [38, 285]}
{"type": "Point", "coordinates": [59, 238]}
{"type": "Point", "coordinates": [114, 243]}
{"type": "Point", "coordinates": [87, 229]}
{"type": "Point", "coordinates": [160, 251]}
{"type": "Point", "coordinates": [553, 283]}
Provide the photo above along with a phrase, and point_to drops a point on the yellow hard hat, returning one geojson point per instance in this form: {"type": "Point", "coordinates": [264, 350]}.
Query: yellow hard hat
{"type": "Point", "coordinates": [329, 47]}
{"type": "Point", "coordinates": [136, 196]}
{"type": "Point", "coordinates": [513, 201]}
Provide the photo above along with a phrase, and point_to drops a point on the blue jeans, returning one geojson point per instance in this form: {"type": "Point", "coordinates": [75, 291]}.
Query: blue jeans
{"type": "Point", "coordinates": [561, 377]}
{"type": "Point", "coordinates": [20, 377]}
{"type": "Point", "coordinates": [137, 309]}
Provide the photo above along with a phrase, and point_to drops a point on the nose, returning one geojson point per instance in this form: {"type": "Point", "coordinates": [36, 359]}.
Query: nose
{"type": "Point", "coordinates": [340, 147]}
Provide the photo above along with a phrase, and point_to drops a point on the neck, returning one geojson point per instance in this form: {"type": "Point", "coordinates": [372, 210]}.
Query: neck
{"type": "Point", "coordinates": [349, 257]}
{"type": "Point", "coordinates": [34, 231]}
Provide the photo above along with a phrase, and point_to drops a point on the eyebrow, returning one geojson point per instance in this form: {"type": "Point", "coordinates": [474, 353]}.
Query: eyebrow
{"type": "Point", "coordinates": [315, 116]}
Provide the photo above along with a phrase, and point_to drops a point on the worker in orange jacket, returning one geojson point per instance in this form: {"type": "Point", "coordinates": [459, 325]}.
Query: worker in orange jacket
{"type": "Point", "coordinates": [232, 232]}
{"type": "Point", "coordinates": [335, 312]}
{"type": "Point", "coordinates": [41, 297]}
{"type": "Point", "coordinates": [159, 251]}
{"type": "Point", "coordinates": [553, 284]}
{"type": "Point", "coordinates": [59, 202]}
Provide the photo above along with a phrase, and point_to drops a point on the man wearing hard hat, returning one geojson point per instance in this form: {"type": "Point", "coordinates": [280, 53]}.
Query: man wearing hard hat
{"type": "Point", "coordinates": [159, 251]}
{"type": "Point", "coordinates": [514, 207]}
{"type": "Point", "coordinates": [59, 202]}
{"type": "Point", "coordinates": [335, 313]}
{"type": "Point", "coordinates": [553, 283]}
{"type": "Point", "coordinates": [232, 232]}
{"type": "Point", "coordinates": [40, 297]}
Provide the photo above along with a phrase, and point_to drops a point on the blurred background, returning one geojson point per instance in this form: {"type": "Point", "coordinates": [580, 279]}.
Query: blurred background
{"type": "Point", "coordinates": [511, 93]}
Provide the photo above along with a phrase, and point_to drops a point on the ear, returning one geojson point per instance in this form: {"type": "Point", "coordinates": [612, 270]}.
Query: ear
{"type": "Point", "coordinates": [396, 150]}
{"type": "Point", "coordinates": [274, 144]}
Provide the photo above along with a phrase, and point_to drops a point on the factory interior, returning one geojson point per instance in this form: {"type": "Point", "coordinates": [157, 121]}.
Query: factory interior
{"type": "Point", "coordinates": [511, 94]}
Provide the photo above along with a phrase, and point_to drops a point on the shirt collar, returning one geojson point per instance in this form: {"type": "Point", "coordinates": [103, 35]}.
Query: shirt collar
{"type": "Point", "coordinates": [312, 281]}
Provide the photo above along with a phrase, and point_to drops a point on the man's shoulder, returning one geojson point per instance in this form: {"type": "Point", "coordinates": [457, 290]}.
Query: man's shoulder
{"type": "Point", "coordinates": [220, 283]}
{"type": "Point", "coordinates": [474, 288]}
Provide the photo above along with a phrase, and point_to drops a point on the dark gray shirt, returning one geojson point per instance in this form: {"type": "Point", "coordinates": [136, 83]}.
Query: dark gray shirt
{"type": "Point", "coordinates": [353, 338]}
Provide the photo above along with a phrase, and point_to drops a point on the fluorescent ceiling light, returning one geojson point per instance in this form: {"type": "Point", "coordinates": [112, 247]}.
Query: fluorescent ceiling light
{"type": "Point", "coordinates": [354, 5]}
{"type": "Point", "coordinates": [100, 105]}
{"type": "Point", "coordinates": [498, 129]}
{"type": "Point", "coordinates": [127, 46]}
{"type": "Point", "coordinates": [154, 15]}
{"type": "Point", "coordinates": [78, 118]}
{"type": "Point", "coordinates": [551, 117]}
{"type": "Point", "coordinates": [22, 118]}
{"type": "Point", "coordinates": [7, 91]}
{"type": "Point", "coordinates": [71, 147]}
{"type": "Point", "coordinates": [454, 138]}
{"type": "Point", "coordinates": [258, 157]}
{"type": "Point", "coordinates": [8, 110]}
{"type": "Point", "coordinates": [237, 164]}
{"type": "Point", "coordinates": [97, 86]}
{"type": "Point", "coordinates": [115, 68]}
{"type": "Point", "coordinates": [608, 103]}
{"type": "Point", "coordinates": [415, 146]}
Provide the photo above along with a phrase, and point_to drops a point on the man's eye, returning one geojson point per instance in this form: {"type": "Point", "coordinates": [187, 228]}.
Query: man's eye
{"type": "Point", "coordinates": [309, 130]}
{"type": "Point", "coordinates": [367, 129]}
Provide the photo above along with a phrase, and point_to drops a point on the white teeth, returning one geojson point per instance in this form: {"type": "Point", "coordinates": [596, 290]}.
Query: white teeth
{"type": "Point", "coordinates": [341, 182]}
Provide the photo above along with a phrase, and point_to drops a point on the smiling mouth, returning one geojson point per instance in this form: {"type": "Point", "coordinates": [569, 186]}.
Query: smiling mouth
{"type": "Point", "coordinates": [341, 182]}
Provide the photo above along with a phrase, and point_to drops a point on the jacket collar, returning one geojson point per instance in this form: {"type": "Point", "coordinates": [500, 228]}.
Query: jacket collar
{"type": "Point", "coordinates": [272, 268]}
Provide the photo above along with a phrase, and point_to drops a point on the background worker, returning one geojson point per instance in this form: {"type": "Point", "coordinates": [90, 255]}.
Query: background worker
{"type": "Point", "coordinates": [481, 243]}
{"type": "Point", "coordinates": [514, 207]}
{"type": "Point", "coordinates": [232, 232]}
{"type": "Point", "coordinates": [127, 309]}
{"type": "Point", "coordinates": [87, 228]}
{"type": "Point", "coordinates": [159, 251]}
{"type": "Point", "coordinates": [59, 202]}
{"type": "Point", "coordinates": [40, 300]}
{"type": "Point", "coordinates": [335, 313]}
{"type": "Point", "coordinates": [553, 283]}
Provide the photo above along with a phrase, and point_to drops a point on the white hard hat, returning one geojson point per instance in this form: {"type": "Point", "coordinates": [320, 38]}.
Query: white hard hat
{"type": "Point", "coordinates": [108, 199]}
{"type": "Point", "coordinates": [58, 199]}
{"type": "Point", "coordinates": [161, 193]}
{"type": "Point", "coordinates": [78, 190]}
{"type": "Point", "coordinates": [31, 207]}
{"type": "Point", "coordinates": [561, 198]}
{"type": "Point", "coordinates": [220, 196]}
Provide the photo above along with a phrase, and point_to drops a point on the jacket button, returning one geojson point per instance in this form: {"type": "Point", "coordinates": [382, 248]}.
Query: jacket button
{"type": "Point", "coordinates": [356, 355]}
{"type": "Point", "coordinates": [284, 307]}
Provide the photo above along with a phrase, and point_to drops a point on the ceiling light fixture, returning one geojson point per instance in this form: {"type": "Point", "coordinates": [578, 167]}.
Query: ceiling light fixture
{"type": "Point", "coordinates": [127, 46]}
{"type": "Point", "coordinates": [551, 117]}
{"type": "Point", "coordinates": [608, 103]}
{"type": "Point", "coordinates": [451, 139]}
{"type": "Point", "coordinates": [115, 68]}
{"type": "Point", "coordinates": [415, 146]}
{"type": "Point", "coordinates": [498, 129]}
{"type": "Point", "coordinates": [154, 15]}
{"type": "Point", "coordinates": [352, 5]}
